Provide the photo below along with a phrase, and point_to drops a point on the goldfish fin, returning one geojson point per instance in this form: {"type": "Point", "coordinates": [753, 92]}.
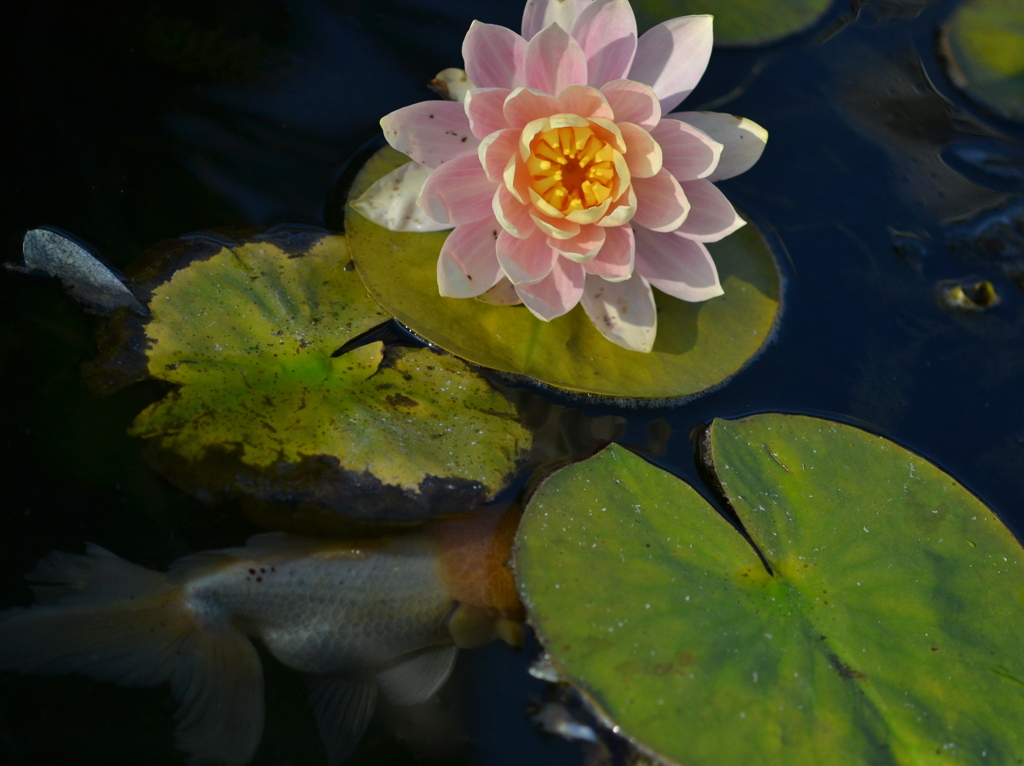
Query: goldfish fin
{"type": "Point", "coordinates": [112, 620]}
{"type": "Point", "coordinates": [416, 679]}
{"type": "Point", "coordinates": [343, 707]}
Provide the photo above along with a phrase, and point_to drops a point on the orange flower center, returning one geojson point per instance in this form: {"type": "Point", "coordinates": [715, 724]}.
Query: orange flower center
{"type": "Point", "coordinates": [571, 168]}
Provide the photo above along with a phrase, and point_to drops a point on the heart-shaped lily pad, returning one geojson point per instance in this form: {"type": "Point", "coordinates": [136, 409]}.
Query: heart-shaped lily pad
{"type": "Point", "coordinates": [983, 45]}
{"type": "Point", "coordinates": [886, 631]}
{"type": "Point", "coordinates": [699, 345]}
{"type": "Point", "coordinates": [262, 410]}
{"type": "Point", "coordinates": [738, 22]}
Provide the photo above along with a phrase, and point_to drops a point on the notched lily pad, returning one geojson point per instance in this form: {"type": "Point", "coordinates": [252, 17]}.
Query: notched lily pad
{"type": "Point", "coordinates": [983, 47]}
{"type": "Point", "coordinates": [262, 410]}
{"type": "Point", "coordinates": [876, 618]}
{"type": "Point", "coordinates": [699, 345]}
{"type": "Point", "coordinates": [738, 22]}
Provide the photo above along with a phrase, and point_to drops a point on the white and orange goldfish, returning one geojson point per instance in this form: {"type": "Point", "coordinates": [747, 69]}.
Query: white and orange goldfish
{"type": "Point", "coordinates": [387, 615]}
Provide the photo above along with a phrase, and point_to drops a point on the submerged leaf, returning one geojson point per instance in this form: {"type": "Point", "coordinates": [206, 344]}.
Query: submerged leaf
{"type": "Point", "coordinates": [875, 619]}
{"type": "Point", "coordinates": [262, 408]}
{"type": "Point", "coordinates": [698, 345]}
{"type": "Point", "coordinates": [738, 22]}
{"type": "Point", "coordinates": [90, 281]}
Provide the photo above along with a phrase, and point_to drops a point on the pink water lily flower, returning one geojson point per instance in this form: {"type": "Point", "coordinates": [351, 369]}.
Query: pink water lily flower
{"type": "Point", "coordinates": [562, 172]}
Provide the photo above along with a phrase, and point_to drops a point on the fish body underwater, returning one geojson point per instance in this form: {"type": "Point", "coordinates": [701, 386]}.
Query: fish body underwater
{"type": "Point", "coordinates": [382, 616]}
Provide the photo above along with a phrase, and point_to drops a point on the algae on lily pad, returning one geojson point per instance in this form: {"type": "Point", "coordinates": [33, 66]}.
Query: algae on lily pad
{"type": "Point", "coordinates": [262, 409]}
{"type": "Point", "coordinates": [738, 22]}
{"type": "Point", "coordinates": [983, 44]}
{"type": "Point", "coordinates": [885, 628]}
{"type": "Point", "coordinates": [699, 345]}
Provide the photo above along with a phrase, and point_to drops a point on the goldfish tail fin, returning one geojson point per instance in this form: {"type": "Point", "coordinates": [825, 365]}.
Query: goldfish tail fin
{"type": "Point", "coordinates": [112, 620]}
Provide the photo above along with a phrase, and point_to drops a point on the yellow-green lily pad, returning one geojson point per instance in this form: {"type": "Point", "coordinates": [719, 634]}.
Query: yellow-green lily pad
{"type": "Point", "coordinates": [263, 410]}
{"type": "Point", "coordinates": [738, 22]}
{"type": "Point", "coordinates": [699, 345]}
{"type": "Point", "coordinates": [983, 45]}
{"type": "Point", "coordinates": [873, 617]}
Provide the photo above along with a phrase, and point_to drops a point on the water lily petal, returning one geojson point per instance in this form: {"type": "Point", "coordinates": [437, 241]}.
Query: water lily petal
{"type": "Point", "coordinates": [623, 312]}
{"type": "Point", "coordinates": [554, 61]}
{"type": "Point", "coordinates": [540, 14]}
{"type": "Point", "coordinates": [643, 154]}
{"type": "Point", "coordinates": [502, 294]}
{"type": "Point", "coordinates": [391, 201]}
{"type": "Point", "coordinates": [743, 140]}
{"type": "Point", "coordinates": [712, 216]}
{"type": "Point", "coordinates": [622, 210]}
{"type": "Point", "coordinates": [467, 265]}
{"type": "Point", "coordinates": [584, 101]}
{"type": "Point", "coordinates": [494, 56]}
{"type": "Point", "coordinates": [495, 150]}
{"type": "Point", "coordinates": [512, 214]}
{"type": "Point", "coordinates": [633, 102]}
{"type": "Point", "coordinates": [672, 57]}
{"type": "Point", "coordinates": [559, 228]}
{"type": "Point", "coordinates": [485, 110]}
{"type": "Point", "coordinates": [676, 265]}
{"type": "Point", "coordinates": [431, 132]}
{"type": "Point", "coordinates": [661, 203]}
{"type": "Point", "coordinates": [688, 152]}
{"type": "Point", "coordinates": [452, 84]}
{"type": "Point", "coordinates": [614, 262]}
{"type": "Point", "coordinates": [458, 192]}
{"type": "Point", "coordinates": [526, 105]}
{"type": "Point", "coordinates": [606, 31]}
{"type": "Point", "coordinates": [525, 261]}
{"type": "Point", "coordinates": [582, 248]}
{"type": "Point", "coordinates": [557, 293]}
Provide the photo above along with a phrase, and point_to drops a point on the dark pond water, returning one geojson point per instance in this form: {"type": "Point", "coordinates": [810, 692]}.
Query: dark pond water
{"type": "Point", "coordinates": [129, 123]}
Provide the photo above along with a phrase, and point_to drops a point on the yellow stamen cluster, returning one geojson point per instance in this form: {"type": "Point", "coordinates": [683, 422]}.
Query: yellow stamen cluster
{"type": "Point", "coordinates": [571, 168]}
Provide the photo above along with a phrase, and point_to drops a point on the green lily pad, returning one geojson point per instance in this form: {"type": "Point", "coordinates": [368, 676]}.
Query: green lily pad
{"type": "Point", "coordinates": [699, 345]}
{"type": "Point", "coordinates": [738, 22]}
{"type": "Point", "coordinates": [886, 631]}
{"type": "Point", "coordinates": [983, 45]}
{"type": "Point", "coordinates": [262, 410]}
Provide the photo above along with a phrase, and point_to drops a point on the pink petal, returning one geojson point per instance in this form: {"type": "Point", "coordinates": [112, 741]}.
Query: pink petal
{"type": "Point", "coordinates": [688, 153]}
{"type": "Point", "coordinates": [606, 31]}
{"type": "Point", "coordinates": [458, 192]}
{"type": "Point", "coordinates": [633, 102]}
{"type": "Point", "coordinates": [743, 140]}
{"type": "Point", "coordinates": [623, 312]}
{"type": "Point", "coordinates": [661, 204]}
{"type": "Point", "coordinates": [621, 211]}
{"type": "Point", "coordinates": [513, 215]}
{"type": "Point", "coordinates": [540, 14]}
{"type": "Point", "coordinates": [559, 228]}
{"type": "Point", "coordinates": [554, 61]}
{"type": "Point", "coordinates": [525, 261]}
{"type": "Point", "coordinates": [468, 265]}
{"type": "Point", "coordinates": [502, 294]}
{"type": "Point", "coordinates": [672, 57]}
{"type": "Point", "coordinates": [431, 132]}
{"type": "Point", "coordinates": [676, 265]}
{"type": "Point", "coordinates": [643, 154]}
{"type": "Point", "coordinates": [524, 105]}
{"type": "Point", "coordinates": [615, 261]}
{"type": "Point", "coordinates": [494, 56]}
{"type": "Point", "coordinates": [582, 248]}
{"type": "Point", "coordinates": [484, 108]}
{"type": "Point", "coordinates": [495, 150]}
{"type": "Point", "coordinates": [557, 293]}
{"type": "Point", "coordinates": [584, 101]}
{"type": "Point", "coordinates": [712, 216]}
